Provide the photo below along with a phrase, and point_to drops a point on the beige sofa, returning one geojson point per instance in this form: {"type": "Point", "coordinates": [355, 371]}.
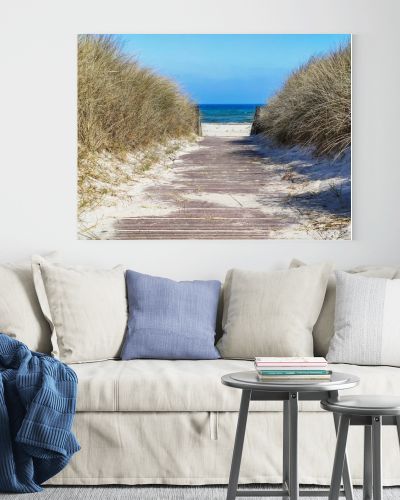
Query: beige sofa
{"type": "Point", "coordinates": [173, 422]}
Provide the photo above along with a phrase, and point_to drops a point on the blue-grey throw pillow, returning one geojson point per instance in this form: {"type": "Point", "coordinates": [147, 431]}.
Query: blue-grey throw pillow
{"type": "Point", "coordinates": [170, 319]}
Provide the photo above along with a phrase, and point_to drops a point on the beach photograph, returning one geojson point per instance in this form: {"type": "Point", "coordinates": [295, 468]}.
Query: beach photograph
{"type": "Point", "coordinates": [214, 136]}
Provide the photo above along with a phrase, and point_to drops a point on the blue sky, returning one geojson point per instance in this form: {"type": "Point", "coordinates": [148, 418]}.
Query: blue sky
{"type": "Point", "coordinates": [228, 69]}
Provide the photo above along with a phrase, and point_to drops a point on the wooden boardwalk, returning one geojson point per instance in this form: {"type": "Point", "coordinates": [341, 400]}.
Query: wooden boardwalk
{"type": "Point", "coordinates": [223, 190]}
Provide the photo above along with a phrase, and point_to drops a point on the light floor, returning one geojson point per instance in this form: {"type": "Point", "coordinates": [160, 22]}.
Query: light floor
{"type": "Point", "coordinates": [152, 493]}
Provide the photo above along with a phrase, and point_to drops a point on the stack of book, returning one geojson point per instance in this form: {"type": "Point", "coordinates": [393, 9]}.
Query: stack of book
{"type": "Point", "coordinates": [292, 369]}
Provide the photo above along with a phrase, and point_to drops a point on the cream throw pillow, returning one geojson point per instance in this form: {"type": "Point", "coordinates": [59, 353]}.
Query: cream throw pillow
{"type": "Point", "coordinates": [272, 313]}
{"type": "Point", "coordinates": [367, 321]}
{"type": "Point", "coordinates": [325, 326]}
{"type": "Point", "coordinates": [86, 309]}
{"type": "Point", "coordinates": [20, 315]}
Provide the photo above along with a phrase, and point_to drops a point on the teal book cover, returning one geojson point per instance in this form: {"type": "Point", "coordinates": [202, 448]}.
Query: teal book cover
{"type": "Point", "coordinates": [294, 372]}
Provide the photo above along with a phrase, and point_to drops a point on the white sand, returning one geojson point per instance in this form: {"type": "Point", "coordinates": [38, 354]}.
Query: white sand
{"type": "Point", "coordinates": [316, 182]}
{"type": "Point", "coordinates": [125, 199]}
{"type": "Point", "coordinates": [299, 184]}
{"type": "Point", "coordinates": [225, 129]}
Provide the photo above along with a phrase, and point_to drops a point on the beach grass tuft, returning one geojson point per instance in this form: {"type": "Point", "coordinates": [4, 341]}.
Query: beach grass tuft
{"type": "Point", "coordinates": [313, 108]}
{"type": "Point", "coordinates": [123, 107]}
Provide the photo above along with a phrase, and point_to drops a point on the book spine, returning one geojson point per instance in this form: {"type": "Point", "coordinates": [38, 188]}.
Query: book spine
{"type": "Point", "coordinates": [311, 365]}
{"type": "Point", "coordinates": [290, 360]}
{"type": "Point", "coordinates": [291, 368]}
{"type": "Point", "coordinates": [293, 377]}
{"type": "Point", "coordinates": [294, 372]}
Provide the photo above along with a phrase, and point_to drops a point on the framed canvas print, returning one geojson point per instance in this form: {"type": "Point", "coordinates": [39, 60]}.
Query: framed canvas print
{"type": "Point", "coordinates": [214, 136]}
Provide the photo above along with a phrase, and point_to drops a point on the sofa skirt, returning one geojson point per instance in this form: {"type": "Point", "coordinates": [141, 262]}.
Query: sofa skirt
{"type": "Point", "coordinates": [195, 448]}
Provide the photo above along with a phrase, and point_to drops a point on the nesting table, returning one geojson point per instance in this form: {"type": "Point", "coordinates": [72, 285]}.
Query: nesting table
{"type": "Point", "coordinates": [290, 392]}
{"type": "Point", "coordinates": [371, 412]}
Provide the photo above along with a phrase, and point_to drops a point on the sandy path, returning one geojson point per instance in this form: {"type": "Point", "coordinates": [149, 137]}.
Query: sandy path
{"type": "Point", "coordinates": [230, 186]}
{"type": "Point", "coordinates": [225, 129]}
{"type": "Point", "coordinates": [222, 190]}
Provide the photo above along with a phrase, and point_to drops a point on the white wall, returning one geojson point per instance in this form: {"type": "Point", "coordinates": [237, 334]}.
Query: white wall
{"type": "Point", "coordinates": [38, 136]}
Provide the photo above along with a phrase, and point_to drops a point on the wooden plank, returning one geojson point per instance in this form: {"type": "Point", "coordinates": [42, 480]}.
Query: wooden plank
{"type": "Point", "coordinates": [229, 167]}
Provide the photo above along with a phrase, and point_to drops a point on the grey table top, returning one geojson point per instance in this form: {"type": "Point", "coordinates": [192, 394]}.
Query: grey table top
{"type": "Point", "coordinates": [364, 405]}
{"type": "Point", "coordinates": [249, 380]}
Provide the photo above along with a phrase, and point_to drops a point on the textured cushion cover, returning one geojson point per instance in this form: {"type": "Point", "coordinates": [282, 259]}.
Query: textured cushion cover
{"type": "Point", "coordinates": [20, 314]}
{"type": "Point", "coordinates": [160, 385]}
{"type": "Point", "coordinates": [324, 327]}
{"type": "Point", "coordinates": [272, 313]}
{"type": "Point", "coordinates": [170, 319]}
{"type": "Point", "coordinates": [86, 310]}
{"type": "Point", "coordinates": [367, 321]}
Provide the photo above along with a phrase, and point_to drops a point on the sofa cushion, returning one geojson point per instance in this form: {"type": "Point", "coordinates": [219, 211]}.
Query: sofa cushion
{"type": "Point", "coordinates": [272, 313]}
{"type": "Point", "coordinates": [324, 327]}
{"type": "Point", "coordinates": [86, 309]}
{"type": "Point", "coordinates": [367, 321]}
{"type": "Point", "coordinates": [20, 315]}
{"type": "Point", "coordinates": [161, 385]}
{"type": "Point", "coordinates": [170, 319]}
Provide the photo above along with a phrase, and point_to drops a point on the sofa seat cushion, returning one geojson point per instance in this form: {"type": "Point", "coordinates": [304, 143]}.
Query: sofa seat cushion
{"type": "Point", "coordinates": [161, 385]}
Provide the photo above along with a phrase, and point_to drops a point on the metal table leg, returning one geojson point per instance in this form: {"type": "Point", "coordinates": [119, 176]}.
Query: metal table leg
{"type": "Point", "coordinates": [377, 457]}
{"type": "Point", "coordinates": [367, 480]}
{"type": "Point", "coordinates": [238, 447]}
{"type": "Point", "coordinates": [347, 481]}
{"type": "Point", "coordinates": [398, 427]}
{"type": "Point", "coordinates": [340, 454]}
{"type": "Point", "coordinates": [290, 478]}
{"type": "Point", "coordinates": [286, 449]}
{"type": "Point", "coordinates": [293, 447]}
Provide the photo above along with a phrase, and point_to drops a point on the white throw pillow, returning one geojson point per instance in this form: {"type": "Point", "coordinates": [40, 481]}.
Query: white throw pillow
{"type": "Point", "coordinates": [272, 313]}
{"type": "Point", "coordinates": [324, 327]}
{"type": "Point", "coordinates": [20, 315]}
{"type": "Point", "coordinates": [367, 321]}
{"type": "Point", "coordinates": [86, 309]}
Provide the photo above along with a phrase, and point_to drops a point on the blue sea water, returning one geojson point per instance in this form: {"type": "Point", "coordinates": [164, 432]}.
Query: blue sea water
{"type": "Point", "coordinates": [227, 113]}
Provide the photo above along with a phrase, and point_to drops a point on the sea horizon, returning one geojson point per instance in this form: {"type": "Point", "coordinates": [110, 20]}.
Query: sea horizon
{"type": "Point", "coordinates": [227, 113]}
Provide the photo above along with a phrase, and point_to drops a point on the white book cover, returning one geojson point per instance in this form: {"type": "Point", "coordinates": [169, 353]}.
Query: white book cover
{"type": "Point", "coordinates": [290, 361]}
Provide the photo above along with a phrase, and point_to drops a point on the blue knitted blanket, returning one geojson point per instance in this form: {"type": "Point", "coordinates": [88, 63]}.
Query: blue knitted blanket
{"type": "Point", "coordinates": [37, 406]}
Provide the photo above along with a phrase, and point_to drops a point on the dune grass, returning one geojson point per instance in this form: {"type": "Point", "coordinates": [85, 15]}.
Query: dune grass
{"type": "Point", "coordinates": [123, 108]}
{"type": "Point", "coordinates": [314, 106]}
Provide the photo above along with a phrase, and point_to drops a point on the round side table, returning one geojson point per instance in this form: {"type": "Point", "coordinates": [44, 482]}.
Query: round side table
{"type": "Point", "coordinates": [371, 412]}
{"type": "Point", "coordinates": [290, 392]}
